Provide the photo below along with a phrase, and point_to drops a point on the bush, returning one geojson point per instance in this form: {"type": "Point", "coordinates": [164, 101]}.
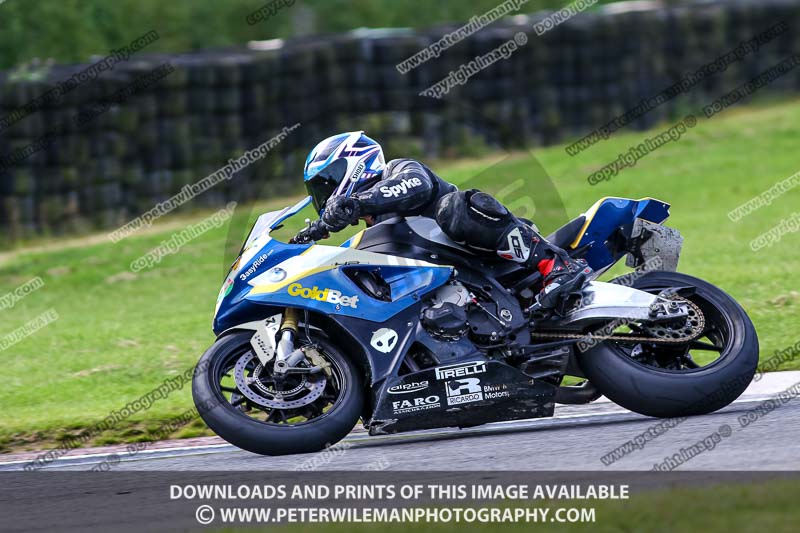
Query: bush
{"type": "Point", "coordinates": [72, 30]}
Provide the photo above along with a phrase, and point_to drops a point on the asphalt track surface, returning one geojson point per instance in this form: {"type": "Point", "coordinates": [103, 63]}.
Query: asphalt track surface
{"type": "Point", "coordinates": [575, 440]}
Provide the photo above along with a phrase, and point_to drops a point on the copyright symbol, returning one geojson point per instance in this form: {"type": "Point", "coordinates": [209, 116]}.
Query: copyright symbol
{"type": "Point", "coordinates": [204, 514]}
{"type": "Point", "coordinates": [690, 121]}
{"type": "Point", "coordinates": [521, 38]}
{"type": "Point", "coordinates": [725, 430]}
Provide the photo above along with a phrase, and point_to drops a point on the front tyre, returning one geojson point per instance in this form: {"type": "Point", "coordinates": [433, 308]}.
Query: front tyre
{"type": "Point", "coordinates": [299, 414]}
{"type": "Point", "coordinates": [699, 377]}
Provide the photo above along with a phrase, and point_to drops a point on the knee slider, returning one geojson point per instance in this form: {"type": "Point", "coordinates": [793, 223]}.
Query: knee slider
{"type": "Point", "coordinates": [486, 206]}
{"type": "Point", "coordinates": [474, 218]}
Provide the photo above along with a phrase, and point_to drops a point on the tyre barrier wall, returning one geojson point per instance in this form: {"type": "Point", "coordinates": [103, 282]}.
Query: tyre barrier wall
{"type": "Point", "coordinates": [216, 104]}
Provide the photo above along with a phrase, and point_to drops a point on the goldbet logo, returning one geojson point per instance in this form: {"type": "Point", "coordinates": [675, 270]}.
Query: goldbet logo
{"type": "Point", "coordinates": [323, 295]}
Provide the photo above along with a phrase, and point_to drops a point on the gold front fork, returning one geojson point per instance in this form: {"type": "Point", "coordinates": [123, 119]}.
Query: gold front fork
{"type": "Point", "coordinates": [290, 318]}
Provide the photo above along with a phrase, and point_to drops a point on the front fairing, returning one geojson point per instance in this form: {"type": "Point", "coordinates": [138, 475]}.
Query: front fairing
{"type": "Point", "coordinates": [259, 254]}
{"type": "Point", "coordinates": [270, 276]}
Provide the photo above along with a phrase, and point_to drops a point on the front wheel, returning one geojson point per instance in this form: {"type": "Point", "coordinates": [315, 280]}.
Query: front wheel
{"type": "Point", "coordinates": [251, 407]}
{"type": "Point", "coordinates": [694, 378]}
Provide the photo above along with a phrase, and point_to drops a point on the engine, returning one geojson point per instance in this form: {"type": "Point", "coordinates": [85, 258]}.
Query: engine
{"type": "Point", "coordinates": [446, 317]}
{"type": "Point", "coordinates": [447, 321]}
{"type": "Point", "coordinates": [454, 312]}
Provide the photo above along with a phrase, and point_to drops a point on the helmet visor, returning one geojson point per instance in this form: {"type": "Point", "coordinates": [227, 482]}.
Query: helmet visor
{"type": "Point", "coordinates": [325, 182]}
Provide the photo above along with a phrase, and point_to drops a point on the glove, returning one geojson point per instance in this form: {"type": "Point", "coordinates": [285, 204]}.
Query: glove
{"type": "Point", "coordinates": [340, 212]}
{"type": "Point", "coordinates": [314, 232]}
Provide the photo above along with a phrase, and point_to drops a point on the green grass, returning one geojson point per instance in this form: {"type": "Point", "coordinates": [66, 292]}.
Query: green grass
{"type": "Point", "coordinates": [767, 506]}
{"type": "Point", "coordinates": [120, 334]}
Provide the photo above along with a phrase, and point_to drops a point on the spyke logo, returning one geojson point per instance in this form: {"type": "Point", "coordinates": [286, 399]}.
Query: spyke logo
{"type": "Point", "coordinates": [401, 188]}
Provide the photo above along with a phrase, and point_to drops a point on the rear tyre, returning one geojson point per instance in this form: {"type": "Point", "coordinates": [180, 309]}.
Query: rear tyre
{"type": "Point", "coordinates": [669, 389]}
{"type": "Point", "coordinates": [235, 417]}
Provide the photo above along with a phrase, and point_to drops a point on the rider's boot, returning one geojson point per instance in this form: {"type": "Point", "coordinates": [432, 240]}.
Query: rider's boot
{"type": "Point", "coordinates": [563, 275]}
{"type": "Point", "coordinates": [480, 221]}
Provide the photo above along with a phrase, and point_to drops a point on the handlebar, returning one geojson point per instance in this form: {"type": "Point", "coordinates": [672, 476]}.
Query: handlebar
{"type": "Point", "coordinates": [315, 231]}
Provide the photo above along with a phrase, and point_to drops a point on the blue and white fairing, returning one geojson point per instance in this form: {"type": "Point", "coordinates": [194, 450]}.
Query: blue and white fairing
{"type": "Point", "coordinates": [270, 275]}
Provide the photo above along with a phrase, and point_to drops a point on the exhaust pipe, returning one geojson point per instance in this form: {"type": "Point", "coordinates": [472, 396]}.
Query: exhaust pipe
{"type": "Point", "coordinates": [577, 394]}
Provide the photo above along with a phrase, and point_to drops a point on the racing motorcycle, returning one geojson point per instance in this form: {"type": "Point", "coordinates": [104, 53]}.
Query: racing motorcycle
{"type": "Point", "coordinates": [403, 329]}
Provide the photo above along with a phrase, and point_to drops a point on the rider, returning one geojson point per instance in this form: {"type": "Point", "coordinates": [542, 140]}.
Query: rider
{"type": "Point", "coordinates": [348, 180]}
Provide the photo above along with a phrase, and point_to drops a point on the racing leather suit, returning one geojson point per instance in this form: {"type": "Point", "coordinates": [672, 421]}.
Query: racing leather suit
{"type": "Point", "coordinates": [473, 218]}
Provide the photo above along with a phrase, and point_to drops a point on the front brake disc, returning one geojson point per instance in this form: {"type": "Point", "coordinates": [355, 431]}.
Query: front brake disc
{"type": "Point", "coordinates": [252, 388]}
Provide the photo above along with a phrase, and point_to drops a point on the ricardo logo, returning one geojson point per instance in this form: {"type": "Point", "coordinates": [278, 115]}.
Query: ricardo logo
{"type": "Point", "coordinates": [464, 391]}
{"type": "Point", "coordinates": [323, 295]}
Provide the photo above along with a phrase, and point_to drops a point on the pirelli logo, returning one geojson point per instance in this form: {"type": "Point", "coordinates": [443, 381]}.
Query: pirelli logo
{"type": "Point", "coordinates": [460, 370]}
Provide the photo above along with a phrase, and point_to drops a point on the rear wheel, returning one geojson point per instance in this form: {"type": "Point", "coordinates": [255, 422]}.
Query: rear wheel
{"type": "Point", "coordinates": [692, 378]}
{"type": "Point", "coordinates": [253, 408]}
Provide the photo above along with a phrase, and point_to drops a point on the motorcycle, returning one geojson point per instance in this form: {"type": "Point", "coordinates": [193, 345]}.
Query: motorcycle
{"type": "Point", "coordinates": [405, 330]}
